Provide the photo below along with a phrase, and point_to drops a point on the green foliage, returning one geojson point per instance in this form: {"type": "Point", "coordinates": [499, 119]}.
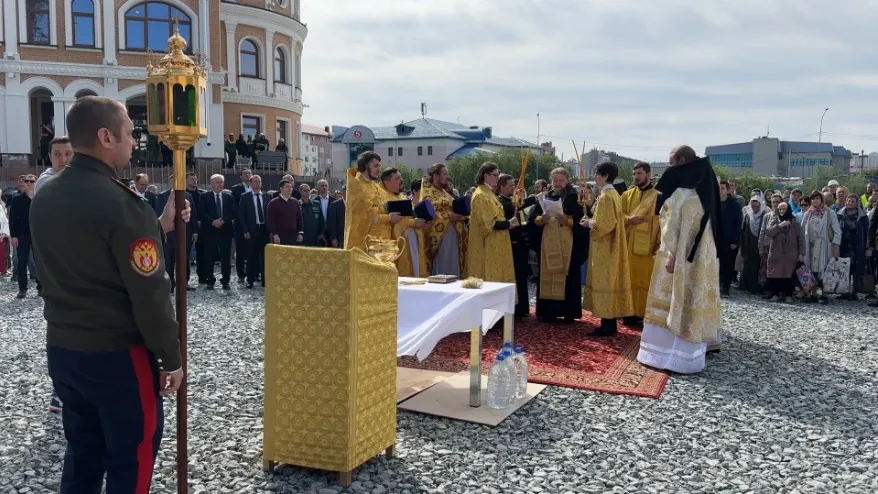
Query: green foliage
{"type": "Point", "coordinates": [462, 170]}
{"type": "Point", "coordinates": [746, 181]}
{"type": "Point", "coordinates": [855, 182]}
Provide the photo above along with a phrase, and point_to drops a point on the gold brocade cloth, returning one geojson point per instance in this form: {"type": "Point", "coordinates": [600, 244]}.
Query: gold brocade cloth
{"type": "Point", "coordinates": [555, 260]}
{"type": "Point", "coordinates": [330, 357]}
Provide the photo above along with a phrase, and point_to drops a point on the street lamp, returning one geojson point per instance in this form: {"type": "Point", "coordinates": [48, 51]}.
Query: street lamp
{"type": "Point", "coordinates": [175, 95]}
{"type": "Point", "coordinates": [820, 134]}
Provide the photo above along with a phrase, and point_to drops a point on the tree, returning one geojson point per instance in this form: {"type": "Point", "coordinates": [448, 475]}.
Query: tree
{"type": "Point", "coordinates": [746, 181]}
{"type": "Point", "coordinates": [462, 170]}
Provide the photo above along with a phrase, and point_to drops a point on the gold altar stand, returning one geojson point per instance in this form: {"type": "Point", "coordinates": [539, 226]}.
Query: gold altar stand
{"type": "Point", "coordinates": [330, 359]}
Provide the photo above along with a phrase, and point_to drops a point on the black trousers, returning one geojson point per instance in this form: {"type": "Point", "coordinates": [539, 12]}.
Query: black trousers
{"type": "Point", "coordinates": [113, 418]}
{"type": "Point", "coordinates": [200, 263]}
{"type": "Point", "coordinates": [522, 272]}
{"type": "Point", "coordinates": [241, 252]}
{"type": "Point", "coordinates": [23, 259]}
{"type": "Point", "coordinates": [218, 247]}
{"type": "Point", "coordinates": [780, 286]}
{"type": "Point", "coordinates": [171, 258]}
{"type": "Point", "coordinates": [727, 266]}
{"type": "Point", "coordinates": [256, 253]}
{"type": "Point", "coordinates": [291, 240]}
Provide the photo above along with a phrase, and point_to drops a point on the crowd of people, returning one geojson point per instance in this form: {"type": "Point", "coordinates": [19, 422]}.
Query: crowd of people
{"type": "Point", "coordinates": [658, 256]}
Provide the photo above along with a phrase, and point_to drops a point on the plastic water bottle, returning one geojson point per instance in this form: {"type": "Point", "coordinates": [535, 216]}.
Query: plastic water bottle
{"type": "Point", "coordinates": [499, 380]}
{"type": "Point", "coordinates": [520, 365]}
{"type": "Point", "coordinates": [507, 347]}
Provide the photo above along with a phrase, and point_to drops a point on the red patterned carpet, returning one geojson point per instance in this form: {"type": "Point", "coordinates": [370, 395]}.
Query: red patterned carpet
{"type": "Point", "coordinates": [559, 355]}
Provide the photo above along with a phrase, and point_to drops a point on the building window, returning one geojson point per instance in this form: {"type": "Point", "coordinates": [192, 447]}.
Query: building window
{"type": "Point", "coordinates": [429, 150]}
{"type": "Point", "coordinates": [420, 150]}
{"type": "Point", "coordinates": [149, 25]}
{"type": "Point", "coordinates": [281, 131]}
{"type": "Point", "coordinates": [249, 59]}
{"type": "Point", "coordinates": [280, 67]}
{"type": "Point", "coordinates": [251, 126]}
{"type": "Point", "coordinates": [399, 151]}
{"type": "Point", "coordinates": [733, 160]}
{"type": "Point", "coordinates": [38, 25]}
{"type": "Point", "coordinates": [389, 151]}
{"type": "Point", "coordinates": [83, 22]}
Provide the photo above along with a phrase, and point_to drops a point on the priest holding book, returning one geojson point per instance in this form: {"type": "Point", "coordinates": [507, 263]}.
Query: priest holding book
{"type": "Point", "coordinates": [446, 237]}
{"type": "Point", "coordinates": [366, 212]}
{"type": "Point", "coordinates": [412, 263]}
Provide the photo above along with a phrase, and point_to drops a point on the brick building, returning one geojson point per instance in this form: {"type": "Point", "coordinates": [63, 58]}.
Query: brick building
{"type": "Point", "coordinates": [55, 51]}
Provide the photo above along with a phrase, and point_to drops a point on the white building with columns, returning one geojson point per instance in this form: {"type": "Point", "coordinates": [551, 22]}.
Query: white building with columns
{"type": "Point", "coordinates": [55, 51]}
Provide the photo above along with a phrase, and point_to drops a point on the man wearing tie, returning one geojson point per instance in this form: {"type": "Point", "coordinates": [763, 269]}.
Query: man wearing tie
{"type": "Point", "coordinates": [323, 199]}
{"type": "Point", "coordinates": [252, 213]}
{"type": "Point", "coordinates": [335, 221]}
{"type": "Point", "coordinates": [218, 209]}
{"type": "Point", "coordinates": [241, 256]}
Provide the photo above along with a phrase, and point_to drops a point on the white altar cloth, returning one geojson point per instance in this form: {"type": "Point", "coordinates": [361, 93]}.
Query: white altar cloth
{"type": "Point", "coordinates": [432, 311]}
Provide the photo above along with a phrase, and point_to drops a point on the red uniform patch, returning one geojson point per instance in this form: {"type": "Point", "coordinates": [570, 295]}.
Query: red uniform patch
{"type": "Point", "coordinates": [145, 256]}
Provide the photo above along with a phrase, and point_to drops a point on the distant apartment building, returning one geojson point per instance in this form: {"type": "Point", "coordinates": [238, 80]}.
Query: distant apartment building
{"type": "Point", "coordinates": [769, 156]}
{"type": "Point", "coordinates": [595, 156]}
{"type": "Point", "coordinates": [417, 144]}
{"type": "Point", "coordinates": [316, 150]}
{"type": "Point", "coordinates": [547, 148]}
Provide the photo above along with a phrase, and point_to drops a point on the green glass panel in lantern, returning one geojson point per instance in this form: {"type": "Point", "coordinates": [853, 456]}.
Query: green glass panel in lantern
{"type": "Point", "coordinates": [180, 106]}
{"type": "Point", "coordinates": [155, 104]}
{"type": "Point", "coordinates": [192, 96]}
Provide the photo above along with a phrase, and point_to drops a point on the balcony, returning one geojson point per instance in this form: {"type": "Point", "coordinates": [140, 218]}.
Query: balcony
{"type": "Point", "coordinates": [252, 87]}
{"type": "Point", "coordinates": [298, 95]}
{"type": "Point", "coordinates": [283, 91]}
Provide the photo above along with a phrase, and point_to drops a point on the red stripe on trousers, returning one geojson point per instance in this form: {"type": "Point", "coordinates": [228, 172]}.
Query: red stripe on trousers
{"type": "Point", "coordinates": [144, 373]}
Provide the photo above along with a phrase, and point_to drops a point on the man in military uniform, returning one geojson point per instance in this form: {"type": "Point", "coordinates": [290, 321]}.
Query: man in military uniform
{"type": "Point", "coordinates": [112, 340]}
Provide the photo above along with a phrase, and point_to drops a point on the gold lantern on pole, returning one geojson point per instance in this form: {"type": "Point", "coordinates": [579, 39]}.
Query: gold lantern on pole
{"type": "Point", "coordinates": [175, 93]}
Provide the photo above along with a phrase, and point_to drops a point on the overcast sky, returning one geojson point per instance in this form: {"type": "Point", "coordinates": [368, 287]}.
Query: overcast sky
{"type": "Point", "coordinates": [633, 76]}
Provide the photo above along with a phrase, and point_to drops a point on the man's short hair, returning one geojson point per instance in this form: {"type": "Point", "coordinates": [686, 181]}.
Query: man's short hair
{"type": "Point", "coordinates": [59, 140]}
{"type": "Point", "coordinates": [191, 174]}
{"type": "Point", "coordinates": [88, 115]}
{"type": "Point", "coordinates": [254, 176]}
{"type": "Point", "coordinates": [283, 183]}
{"type": "Point", "coordinates": [303, 185]}
{"type": "Point", "coordinates": [141, 176]}
{"type": "Point", "coordinates": [644, 166]}
{"type": "Point", "coordinates": [607, 169]}
{"type": "Point", "coordinates": [502, 179]}
{"type": "Point", "coordinates": [388, 174]}
{"type": "Point", "coordinates": [365, 158]}
{"type": "Point", "coordinates": [217, 175]}
{"type": "Point", "coordinates": [724, 182]}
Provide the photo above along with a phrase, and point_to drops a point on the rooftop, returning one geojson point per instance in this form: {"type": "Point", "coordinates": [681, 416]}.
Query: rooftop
{"type": "Point", "coordinates": [430, 128]}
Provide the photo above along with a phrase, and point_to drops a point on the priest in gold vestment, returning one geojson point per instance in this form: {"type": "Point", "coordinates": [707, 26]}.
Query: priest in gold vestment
{"type": "Point", "coordinates": [683, 309]}
{"type": "Point", "coordinates": [489, 249]}
{"type": "Point", "coordinates": [561, 244]}
{"type": "Point", "coordinates": [365, 212]}
{"type": "Point", "coordinates": [642, 236]}
{"type": "Point", "coordinates": [446, 237]}
{"type": "Point", "coordinates": [412, 262]}
{"type": "Point", "coordinates": [607, 286]}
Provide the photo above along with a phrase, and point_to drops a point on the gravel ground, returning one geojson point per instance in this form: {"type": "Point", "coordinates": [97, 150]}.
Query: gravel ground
{"type": "Point", "coordinates": [788, 406]}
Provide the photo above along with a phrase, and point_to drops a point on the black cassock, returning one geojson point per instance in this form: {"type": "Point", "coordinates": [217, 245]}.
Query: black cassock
{"type": "Point", "coordinates": [571, 307]}
{"type": "Point", "coordinates": [520, 251]}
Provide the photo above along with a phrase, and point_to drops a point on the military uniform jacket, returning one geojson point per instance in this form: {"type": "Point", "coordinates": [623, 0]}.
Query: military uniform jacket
{"type": "Point", "coordinates": [99, 247]}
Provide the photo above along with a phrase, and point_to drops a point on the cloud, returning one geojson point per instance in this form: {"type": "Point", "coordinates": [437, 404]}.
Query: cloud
{"type": "Point", "coordinates": [642, 76]}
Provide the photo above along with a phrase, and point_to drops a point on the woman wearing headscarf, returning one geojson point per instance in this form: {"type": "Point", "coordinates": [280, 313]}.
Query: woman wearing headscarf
{"type": "Point", "coordinates": [785, 251]}
{"type": "Point", "coordinates": [822, 239]}
{"type": "Point", "coordinates": [4, 235]}
{"type": "Point", "coordinates": [750, 252]}
{"type": "Point", "coordinates": [854, 230]}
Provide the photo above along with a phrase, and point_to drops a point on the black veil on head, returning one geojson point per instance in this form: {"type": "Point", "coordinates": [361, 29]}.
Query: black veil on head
{"type": "Point", "coordinates": [696, 175]}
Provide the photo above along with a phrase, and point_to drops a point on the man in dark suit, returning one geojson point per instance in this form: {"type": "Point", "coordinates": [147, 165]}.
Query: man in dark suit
{"type": "Point", "coordinates": [323, 200]}
{"type": "Point", "coordinates": [335, 221]}
{"type": "Point", "coordinates": [141, 183]}
{"type": "Point", "coordinates": [170, 247]}
{"type": "Point", "coordinates": [252, 216]}
{"type": "Point", "coordinates": [197, 214]}
{"type": "Point", "coordinates": [313, 227]}
{"type": "Point", "coordinates": [241, 256]}
{"type": "Point", "coordinates": [218, 209]}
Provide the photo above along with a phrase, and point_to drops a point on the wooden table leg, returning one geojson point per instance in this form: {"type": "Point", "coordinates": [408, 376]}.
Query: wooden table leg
{"type": "Point", "coordinates": [509, 328]}
{"type": "Point", "coordinates": [390, 452]}
{"type": "Point", "coordinates": [268, 465]}
{"type": "Point", "coordinates": [475, 368]}
{"type": "Point", "coordinates": [345, 478]}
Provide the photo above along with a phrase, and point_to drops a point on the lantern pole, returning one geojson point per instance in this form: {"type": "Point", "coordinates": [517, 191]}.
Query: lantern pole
{"type": "Point", "coordinates": [182, 263]}
{"type": "Point", "coordinates": [176, 88]}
